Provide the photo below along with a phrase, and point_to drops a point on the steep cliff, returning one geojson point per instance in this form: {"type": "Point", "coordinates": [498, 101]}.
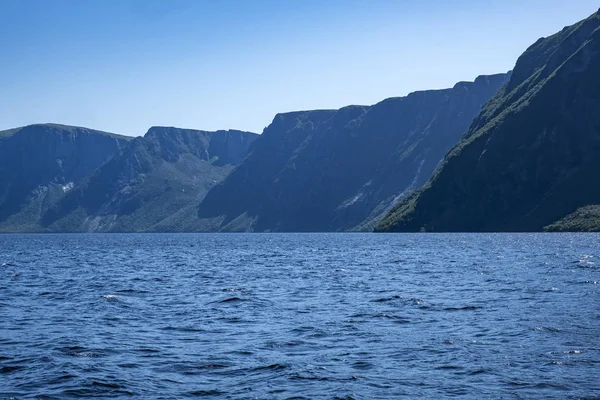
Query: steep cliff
{"type": "Point", "coordinates": [530, 157]}
{"type": "Point", "coordinates": [39, 163]}
{"type": "Point", "coordinates": [153, 184]}
{"type": "Point", "coordinates": [332, 170]}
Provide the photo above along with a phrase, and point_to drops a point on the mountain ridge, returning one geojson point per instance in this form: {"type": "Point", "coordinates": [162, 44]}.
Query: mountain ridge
{"type": "Point", "coordinates": [153, 178]}
{"type": "Point", "coordinates": [340, 169]}
{"type": "Point", "coordinates": [72, 129]}
{"type": "Point", "coordinates": [40, 162]}
{"type": "Point", "coordinates": [520, 165]}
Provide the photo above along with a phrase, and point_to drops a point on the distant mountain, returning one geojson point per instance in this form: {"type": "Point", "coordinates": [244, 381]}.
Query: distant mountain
{"type": "Point", "coordinates": [153, 184]}
{"type": "Point", "coordinates": [334, 170]}
{"type": "Point", "coordinates": [39, 163]}
{"type": "Point", "coordinates": [530, 159]}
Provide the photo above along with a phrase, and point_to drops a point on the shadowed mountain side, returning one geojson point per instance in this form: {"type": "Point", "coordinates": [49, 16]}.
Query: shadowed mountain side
{"type": "Point", "coordinates": [39, 163]}
{"type": "Point", "coordinates": [530, 157]}
{"type": "Point", "coordinates": [334, 170]}
{"type": "Point", "coordinates": [153, 178]}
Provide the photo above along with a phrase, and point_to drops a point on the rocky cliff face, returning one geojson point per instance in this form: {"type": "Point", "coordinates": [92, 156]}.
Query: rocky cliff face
{"type": "Point", "coordinates": [330, 170]}
{"type": "Point", "coordinates": [530, 157]}
{"type": "Point", "coordinates": [153, 184]}
{"type": "Point", "coordinates": [39, 163]}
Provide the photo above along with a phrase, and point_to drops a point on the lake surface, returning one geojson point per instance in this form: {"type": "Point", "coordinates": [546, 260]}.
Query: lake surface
{"type": "Point", "coordinates": [300, 316]}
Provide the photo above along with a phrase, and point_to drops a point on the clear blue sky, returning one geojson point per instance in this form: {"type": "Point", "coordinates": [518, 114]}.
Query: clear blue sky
{"type": "Point", "coordinates": [125, 65]}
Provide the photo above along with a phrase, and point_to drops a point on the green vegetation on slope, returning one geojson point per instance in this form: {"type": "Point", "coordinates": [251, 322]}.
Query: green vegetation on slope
{"type": "Point", "coordinates": [584, 219]}
{"type": "Point", "coordinates": [529, 157]}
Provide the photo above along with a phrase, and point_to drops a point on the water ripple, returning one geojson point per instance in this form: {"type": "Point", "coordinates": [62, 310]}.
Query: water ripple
{"type": "Point", "coordinates": [299, 316]}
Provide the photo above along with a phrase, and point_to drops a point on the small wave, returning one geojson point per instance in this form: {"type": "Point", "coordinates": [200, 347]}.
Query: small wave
{"type": "Point", "coordinates": [8, 264]}
{"type": "Point", "coordinates": [291, 343]}
{"type": "Point", "coordinates": [147, 350]}
{"type": "Point", "coordinates": [362, 365]}
{"type": "Point", "coordinates": [231, 290]}
{"type": "Point", "coordinates": [231, 300]}
{"type": "Point", "coordinates": [465, 308]}
{"type": "Point", "coordinates": [386, 299]}
{"type": "Point", "coordinates": [585, 261]}
{"type": "Point", "coordinates": [110, 297]}
{"type": "Point", "coordinates": [106, 384]}
{"type": "Point", "coordinates": [553, 289]}
{"type": "Point", "coordinates": [181, 329]}
{"type": "Point", "coordinates": [303, 329]}
{"type": "Point", "coordinates": [132, 291]}
{"type": "Point", "coordinates": [449, 367]}
{"type": "Point", "coordinates": [232, 320]}
{"type": "Point", "coordinates": [395, 318]}
{"type": "Point", "coordinates": [86, 354]}
{"type": "Point", "coordinates": [309, 331]}
{"type": "Point", "coordinates": [550, 385]}
{"type": "Point", "coordinates": [61, 379]}
{"type": "Point", "coordinates": [78, 351]}
{"type": "Point", "coordinates": [306, 377]}
{"type": "Point", "coordinates": [128, 365]}
{"type": "Point", "coordinates": [11, 368]}
{"type": "Point", "coordinates": [272, 367]}
{"type": "Point", "coordinates": [194, 369]}
{"type": "Point", "coordinates": [212, 366]}
{"type": "Point", "coordinates": [547, 329]}
{"type": "Point", "coordinates": [96, 388]}
{"type": "Point", "coordinates": [205, 393]}
{"type": "Point", "coordinates": [242, 352]}
{"type": "Point", "coordinates": [478, 371]}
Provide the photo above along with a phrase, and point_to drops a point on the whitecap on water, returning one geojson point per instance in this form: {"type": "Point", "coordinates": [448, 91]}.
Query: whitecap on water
{"type": "Point", "coordinates": [8, 264]}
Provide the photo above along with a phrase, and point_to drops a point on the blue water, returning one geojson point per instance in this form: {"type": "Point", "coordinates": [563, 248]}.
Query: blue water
{"type": "Point", "coordinates": [300, 316]}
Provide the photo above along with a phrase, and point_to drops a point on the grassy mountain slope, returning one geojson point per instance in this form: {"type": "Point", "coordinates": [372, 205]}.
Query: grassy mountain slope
{"type": "Point", "coordinates": [529, 158]}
